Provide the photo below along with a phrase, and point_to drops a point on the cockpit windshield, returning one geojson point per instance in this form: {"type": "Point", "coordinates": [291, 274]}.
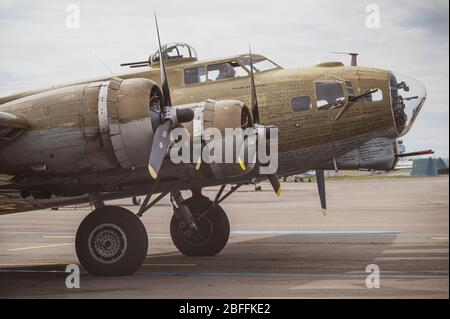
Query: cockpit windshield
{"type": "Point", "coordinates": [261, 65]}
{"type": "Point", "coordinates": [175, 51]}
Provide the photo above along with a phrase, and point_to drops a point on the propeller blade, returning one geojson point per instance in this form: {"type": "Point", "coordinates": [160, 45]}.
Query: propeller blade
{"type": "Point", "coordinates": [160, 145]}
{"type": "Point", "coordinates": [162, 69]}
{"type": "Point", "coordinates": [255, 108]}
{"type": "Point", "coordinates": [275, 181]}
{"type": "Point", "coordinates": [246, 149]}
{"type": "Point", "coordinates": [320, 177]}
{"type": "Point", "coordinates": [161, 139]}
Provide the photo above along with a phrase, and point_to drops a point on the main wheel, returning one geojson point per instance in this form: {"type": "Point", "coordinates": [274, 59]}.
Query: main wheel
{"type": "Point", "coordinates": [212, 234]}
{"type": "Point", "coordinates": [111, 241]}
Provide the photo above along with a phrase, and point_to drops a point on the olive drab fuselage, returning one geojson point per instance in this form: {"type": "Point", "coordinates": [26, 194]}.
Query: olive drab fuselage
{"type": "Point", "coordinates": [71, 148]}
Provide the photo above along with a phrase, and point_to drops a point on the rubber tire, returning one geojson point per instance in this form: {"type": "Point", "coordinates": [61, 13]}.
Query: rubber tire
{"type": "Point", "coordinates": [135, 233]}
{"type": "Point", "coordinates": [218, 238]}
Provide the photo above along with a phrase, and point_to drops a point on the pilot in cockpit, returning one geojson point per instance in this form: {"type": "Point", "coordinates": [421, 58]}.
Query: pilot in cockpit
{"type": "Point", "coordinates": [226, 71]}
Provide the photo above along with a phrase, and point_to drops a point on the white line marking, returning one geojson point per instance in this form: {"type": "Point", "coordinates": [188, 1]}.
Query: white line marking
{"type": "Point", "coordinates": [417, 251]}
{"type": "Point", "coordinates": [39, 247]}
{"type": "Point", "coordinates": [58, 237]}
{"type": "Point", "coordinates": [418, 258]}
{"type": "Point", "coordinates": [312, 232]}
{"type": "Point", "coordinates": [32, 264]}
{"type": "Point", "coordinates": [163, 255]}
{"type": "Point", "coordinates": [172, 265]}
{"type": "Point", "coordinates": [439, 238]}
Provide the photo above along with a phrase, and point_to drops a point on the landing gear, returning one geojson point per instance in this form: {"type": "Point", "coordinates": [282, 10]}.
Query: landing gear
{"type": "Point", "coordinates": [111, 241]}
{"type": "Point", "coordinates": [212, 233]}
{"type": "Point", "coordinates": [136, 201]}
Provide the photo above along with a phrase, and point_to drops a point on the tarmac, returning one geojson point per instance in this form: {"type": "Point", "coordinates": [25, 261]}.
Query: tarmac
{"type": "Point", "coordinates": [279, 247]}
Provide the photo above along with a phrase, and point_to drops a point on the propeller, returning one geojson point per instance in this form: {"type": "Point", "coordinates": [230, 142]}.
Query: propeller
{"type": "Point", "coordinates": [273, 178]}
{"type": "Point", "coordinates": [320, 177]}
{"type": "Point", "coordinates": [255, 107]}
{"type": "Point", "coordinates": [170, 117]}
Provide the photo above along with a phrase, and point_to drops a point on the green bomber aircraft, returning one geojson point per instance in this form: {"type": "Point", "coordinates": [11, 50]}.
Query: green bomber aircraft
{"type": "Point", "coordinates": [110, 138]}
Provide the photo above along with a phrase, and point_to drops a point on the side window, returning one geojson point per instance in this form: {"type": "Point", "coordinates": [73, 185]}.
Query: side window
{"type": "Point", "coordinates": [375, 96]}
{"type": "Point", "coordinates": [301, 103]}
{"type": "Point", "coordinates": [329, 95]}
{"type": "Point", "coordinates": [195, 75]}
{"type": "Point", "coordinates": [224, 71]}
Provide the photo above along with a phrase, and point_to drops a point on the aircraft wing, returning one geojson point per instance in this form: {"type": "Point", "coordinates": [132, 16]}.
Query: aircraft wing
{"type": "Point", "coordinates": [12, 202]}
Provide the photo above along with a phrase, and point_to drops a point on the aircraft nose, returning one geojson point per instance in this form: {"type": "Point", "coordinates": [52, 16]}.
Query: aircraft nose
{"type": "Point", "coordinates": [407, 98]}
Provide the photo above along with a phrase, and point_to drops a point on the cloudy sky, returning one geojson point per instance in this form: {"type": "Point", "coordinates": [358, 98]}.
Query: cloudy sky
{"type": "Point", "coordinates": [37, 49]}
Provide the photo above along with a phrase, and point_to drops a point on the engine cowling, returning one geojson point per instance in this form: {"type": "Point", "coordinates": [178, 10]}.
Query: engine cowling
{"type": "Point", "coordinates": [221, 115]}
{"type": "Point", "coordinates": [104, 125]}
{"type": "Point", "coordinates": [82, 128]}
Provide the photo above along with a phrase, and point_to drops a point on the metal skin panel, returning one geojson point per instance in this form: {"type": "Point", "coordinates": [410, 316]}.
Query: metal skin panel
{"type": "Point", "coordinates": [66, 119]}
{"type": "Point", "coordinates": [377, 154]}
{"type": "Point", "coordinates": [70, 131]}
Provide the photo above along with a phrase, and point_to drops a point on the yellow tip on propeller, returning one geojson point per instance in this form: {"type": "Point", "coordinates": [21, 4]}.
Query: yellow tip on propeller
{"type": "Point", "coordinates": [278, 192]}
{"type": "Point", "coordinates": [199, 162]}
{"type": "Point", "coordinates": [241, 163]}
{"type": "Point", "coordinates": [324, 212]}
{"type": "Point", "coordinates": [152, 172]}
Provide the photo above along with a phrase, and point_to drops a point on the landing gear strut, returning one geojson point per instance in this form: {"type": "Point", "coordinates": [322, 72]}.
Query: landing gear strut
{"type": "Point", "coordinates": [212, 233]}
{"type": "Point", "coordinates": [213, 226]}
{"type": "Point", "coordinates": [112, 241]}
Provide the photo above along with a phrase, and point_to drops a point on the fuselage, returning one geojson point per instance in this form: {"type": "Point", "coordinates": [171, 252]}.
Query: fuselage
{"type": "Point", "coordinates": [64, 135]}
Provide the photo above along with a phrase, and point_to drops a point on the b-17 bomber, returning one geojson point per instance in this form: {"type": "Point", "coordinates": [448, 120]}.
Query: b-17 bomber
{"type": "Point", "coordinates": [176, 123]}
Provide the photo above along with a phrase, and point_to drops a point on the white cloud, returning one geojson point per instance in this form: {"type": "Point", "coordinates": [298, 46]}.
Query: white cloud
{"type": "Point", "coordinates": [37, 49]}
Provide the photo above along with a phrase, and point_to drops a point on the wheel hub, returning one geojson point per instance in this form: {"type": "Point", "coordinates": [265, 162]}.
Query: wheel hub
{"type": "Point", "coordinates": [107, 243]}
{"type": "Point", "coordinates": [199, 237]}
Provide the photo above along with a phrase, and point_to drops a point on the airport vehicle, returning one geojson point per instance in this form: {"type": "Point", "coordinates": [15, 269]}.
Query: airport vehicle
{"type": "Point", "coordinates": [109, 138]}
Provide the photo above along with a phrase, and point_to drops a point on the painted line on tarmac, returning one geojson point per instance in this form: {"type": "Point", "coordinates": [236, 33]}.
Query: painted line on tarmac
{"type": "Point", "coordinates": [409, 258]}
{"type": "Point", "coordinates": [39, 247]}
{"type": "Point", "coordinates": [32, 264]}
{"type": "Point", "coordinates": [172, 265]}
{"type": "Point", "coordinates": [58, 237]}
{"type": "Point", "coordinates": [313, 232]}
{"type": "Point", "coordinates": [240, 274]}
{"type": "Point", "coordinates": [439, 238]}
{"type": "Point", "coordinates": [244, 274]}
{"type": "Point", "coordinates": [254, 232]}
{"type": "Point", "coordinates": [27, 271]}
{"type": "Point", "coordinates": [164, 255]}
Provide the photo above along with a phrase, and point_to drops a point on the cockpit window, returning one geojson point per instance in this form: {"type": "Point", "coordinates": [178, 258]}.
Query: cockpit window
{"type": "Point", "coordinates": [195, 75]}
{"type": "Point", "coordinates": [329, 95]}
{"type": "Point", "coordinates": [375, 96]}
{"type": "Point", "coordinates": [301, 103]}
{"type": "Point", "coordinates": [175, 51]}
{"type": "Point", "coordinates": [261, 65]}
{"type": "Point", "coordinates": [224, 71]}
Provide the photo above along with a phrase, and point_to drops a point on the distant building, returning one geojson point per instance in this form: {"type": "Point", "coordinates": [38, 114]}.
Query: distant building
{"type": "Point", "coordinates": [429, 167]}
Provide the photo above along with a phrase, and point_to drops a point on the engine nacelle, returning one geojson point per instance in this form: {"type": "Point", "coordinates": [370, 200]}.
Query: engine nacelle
{"type": "Point", "coordinates": [221, 115]}
{"type": "Point", "coordinates": [104, 125]}
{"type": "Point", "coordinates": [82, 128]}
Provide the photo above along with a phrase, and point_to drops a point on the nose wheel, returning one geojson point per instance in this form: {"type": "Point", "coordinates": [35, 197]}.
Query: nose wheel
{"type": "Point", "coordinates": [111, 241]}
{"type": "Point", "coordinates": [211, 235]}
